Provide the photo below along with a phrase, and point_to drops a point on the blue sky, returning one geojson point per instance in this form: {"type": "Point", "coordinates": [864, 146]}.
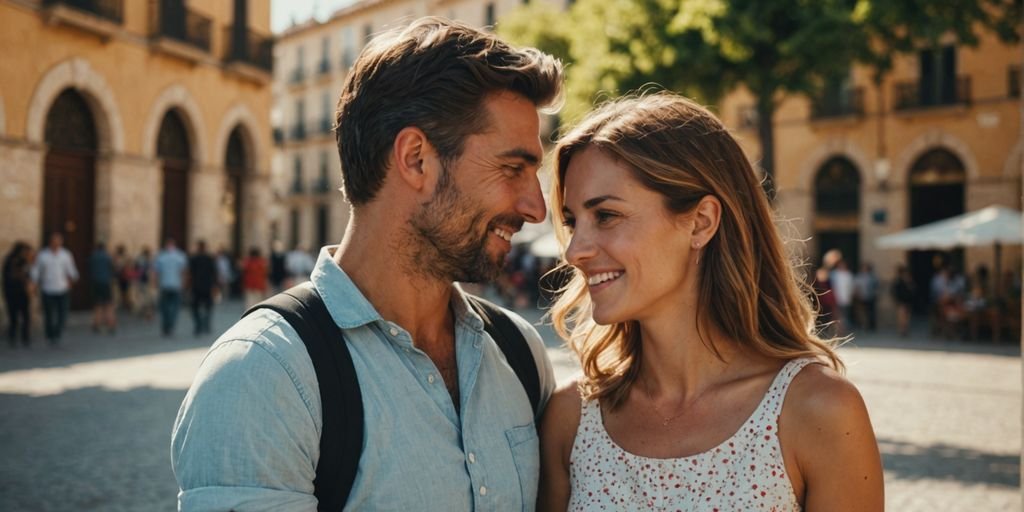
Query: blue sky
{"type": "Point", "coordinates": [282, 12]}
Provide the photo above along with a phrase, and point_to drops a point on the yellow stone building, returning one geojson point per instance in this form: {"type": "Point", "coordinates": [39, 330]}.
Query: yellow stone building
{"type": "Point", "coordinates": [940, 136]}
{"type": "Point", "coordinates": [310, 63]}
{"type": "Point", "coordinates": [129, 122]}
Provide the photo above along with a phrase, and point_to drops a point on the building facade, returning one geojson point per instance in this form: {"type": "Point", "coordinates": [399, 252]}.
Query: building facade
{"type": "Point", "coordinates": [938, 137]}
{"type": "Point", "coordinates": [132, 122]}
{"type": "Point", "coordinates": [311, 62]}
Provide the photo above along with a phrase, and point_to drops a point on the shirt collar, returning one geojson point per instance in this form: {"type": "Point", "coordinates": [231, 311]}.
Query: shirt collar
{"type": "Point", "coordinates": [349, 307]}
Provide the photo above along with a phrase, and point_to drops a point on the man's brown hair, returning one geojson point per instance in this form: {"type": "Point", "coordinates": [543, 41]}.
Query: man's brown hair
{"type": "Point", "coordinates": [435, 75]}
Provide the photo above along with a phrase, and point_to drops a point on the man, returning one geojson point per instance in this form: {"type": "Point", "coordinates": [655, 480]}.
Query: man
{"type": "Point", "coordinates": [101, 273]}
{"type": "Point", "coordinates": [169, 267]}
{"type": "Point", "coordinates": [53, 273]}
{"type": "Point", "coordinates": [438, 138]}
{"type": "Point", "coordinates": [865, 285]}
{"type": "Point", "coordinates": [202, 272]}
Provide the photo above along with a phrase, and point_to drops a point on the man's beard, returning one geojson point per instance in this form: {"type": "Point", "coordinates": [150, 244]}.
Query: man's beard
{"type": "Point", "coordinates": [451, 236]}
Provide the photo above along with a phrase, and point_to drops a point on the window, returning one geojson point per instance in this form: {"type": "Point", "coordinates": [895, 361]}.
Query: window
{"type": "Point", "coordinates": [367, 33]}
{"type": "Point", "coordinates": [937, 85]}
{"type": "Point", "coordinates": [297, 176]}
{"type": "Point", "coordinates": [489, 14]}
{"type": "Point", "coordinates": [348, 47]}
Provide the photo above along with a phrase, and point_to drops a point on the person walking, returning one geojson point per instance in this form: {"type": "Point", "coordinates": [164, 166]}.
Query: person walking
{"type": "Point", "coordinates": [278, 270]}
{"type": "Point", "coordinates": [124, 269]}
{"type": "Point", "coordinates": [17, 286]}
{"type": "Point", "coordinates": [841, 280]}
{"type": "Point", "coordinates": [299, 264]}
{"type": "Point", "coordinates": [202, 271]}
{"type": "Point", "coordinates": [54, 272]}
{"type": "Point", "coordinates": [865, 293]}
{"type": "Point", "coordinates": [144, 300]}
{"type": "Point", "coordinates": [254, 277]}
{"type": "Point", "coordinates": [903, 293]}
{"type": "Point", "coordinates": [169, 267]}
{"type": "Point", "coordinates": [101, 276]}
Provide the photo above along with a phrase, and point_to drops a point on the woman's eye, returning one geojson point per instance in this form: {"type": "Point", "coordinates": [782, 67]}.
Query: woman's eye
{"type": "Point", "coordinates": [604, 217]}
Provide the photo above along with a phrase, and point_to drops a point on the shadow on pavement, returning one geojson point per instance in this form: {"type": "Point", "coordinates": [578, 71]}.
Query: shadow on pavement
{"type": "Point", "coordinates": [909, 461]}
{"type": "Point", "coordinates": [88, 449]}
{"type": "Point", "coordinates": [135, 337]}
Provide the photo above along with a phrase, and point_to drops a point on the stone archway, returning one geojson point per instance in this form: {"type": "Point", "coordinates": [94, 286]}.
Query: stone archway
{"type": "Point", "coordinates": [77, 73]}
{"type": "Point", "coordinates": [239, 154]}
{"type": "Point", "coordinates": [837, 207]}
{"type": "Point", "coordinates": [176, 97]}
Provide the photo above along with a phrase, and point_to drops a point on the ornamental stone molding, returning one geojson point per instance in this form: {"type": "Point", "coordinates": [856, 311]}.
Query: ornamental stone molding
{"type": "Point", "coordinates": [176, 97]}
{"type": "Point", "coordinates": [255, 155]}
{"type": "Point", "coordinates": [934, 139]}
{"type": "Point", "coordinates": [78, 74]}
{"type": "Point", "coordinates": [832, 148]}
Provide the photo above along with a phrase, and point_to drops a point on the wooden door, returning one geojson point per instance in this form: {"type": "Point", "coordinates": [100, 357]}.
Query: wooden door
{"type": "Point", "coordinates": [68, 208]}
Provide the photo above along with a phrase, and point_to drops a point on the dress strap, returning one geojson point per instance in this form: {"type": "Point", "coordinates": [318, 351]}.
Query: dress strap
{"type": "Point", "coordinates": [777, 393]}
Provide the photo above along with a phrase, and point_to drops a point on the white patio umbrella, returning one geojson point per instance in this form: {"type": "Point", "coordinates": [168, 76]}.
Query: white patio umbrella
{"type": "Point", "coordinates": [994, 225]}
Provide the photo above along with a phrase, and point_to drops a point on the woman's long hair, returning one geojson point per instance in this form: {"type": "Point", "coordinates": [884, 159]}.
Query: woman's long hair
{"type": "Point", "coordinates": [748, 290]}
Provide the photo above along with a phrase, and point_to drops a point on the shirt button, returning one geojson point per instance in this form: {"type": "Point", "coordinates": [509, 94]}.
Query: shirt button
{"type": "Point", "coordinates": [430, 378]}
{"type": "Point", "coordinates": [483, 491]}
{"type": "Point", "coordinates": [393, 331]}
{"type": "Point", "coordinates": [472, 458]}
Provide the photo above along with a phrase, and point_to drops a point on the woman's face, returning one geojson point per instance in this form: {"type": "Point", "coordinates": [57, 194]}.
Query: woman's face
{"type": "Point", "coordinates": [634, 253]}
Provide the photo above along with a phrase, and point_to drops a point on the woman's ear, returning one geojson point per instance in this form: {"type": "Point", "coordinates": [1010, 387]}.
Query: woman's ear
{"type": "Point", "coordinates": [706, 218]}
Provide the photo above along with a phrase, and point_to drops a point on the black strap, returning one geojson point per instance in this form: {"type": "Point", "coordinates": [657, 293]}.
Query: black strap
{"type": "Point", "coordinates": [341, 436]}
{"type": "Point", "coordinates": [512, 343]}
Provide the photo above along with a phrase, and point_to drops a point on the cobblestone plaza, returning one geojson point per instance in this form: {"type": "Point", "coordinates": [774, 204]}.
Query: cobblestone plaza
{"type": "Point", "coordinates": [87, 426]}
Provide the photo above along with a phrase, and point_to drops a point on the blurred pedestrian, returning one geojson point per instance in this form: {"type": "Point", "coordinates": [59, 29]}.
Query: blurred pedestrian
{"type": "Point", "coordinates": [17, 287]}
{"type": "Point", "coordinates": [124, 269]}
{"type": "Point", "coordinates": [865, 293]}
{"type": "Point", "coordinates": [299, 264]}
{"type": "Point", "coordinates": [202, 271]}
{"type": "Point", "coordinates": [841, 280]}
{"type": "Point", "coordinates": [53, 272]}
{"type": "Point", "coordinates": [144, 300]}
{"type": "Point", "coordinates": [278, 266]}
{"type": "Point", "coordinates": [225, 273]}
{"type": "Point", "coordinates": [903, 293]}
{"type": "Point", "coordinates": [827, 310]}
{"type": "Point", "coordinates": [169, 267]}
{"type": "Point", "coordinates": [254, 277]}
{"type": "Point", "coordinates": [101, 277]}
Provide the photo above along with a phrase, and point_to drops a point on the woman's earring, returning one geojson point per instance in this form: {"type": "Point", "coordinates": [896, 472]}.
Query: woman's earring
{"type": "Point", "coordinates": [696, 246]}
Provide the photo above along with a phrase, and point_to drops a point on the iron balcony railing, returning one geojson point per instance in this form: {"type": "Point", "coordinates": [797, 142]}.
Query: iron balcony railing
{"type": "Point", "coordinates": [173, 20]}
{"type": "Point", "coordinates": [322, 185]}
{"type": "Point", "coordinates": [298, 75]}
{"type": "Point", "coordinates": [324, 67]}
{"type": "Point", "coordinates": [849, 102]}
{"type": "Point", "coordinates": [918, 94]}
{"type": "Point", "coordinates": [110, 10]}
{"type": "Point", "coordinates": [249, 47]}
{"type": "Point", "coordinates": [298, 132]}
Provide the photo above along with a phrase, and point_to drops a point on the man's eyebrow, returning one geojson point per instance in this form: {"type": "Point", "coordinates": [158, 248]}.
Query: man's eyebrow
{"type": "Point", "coordinates": [529, 156]}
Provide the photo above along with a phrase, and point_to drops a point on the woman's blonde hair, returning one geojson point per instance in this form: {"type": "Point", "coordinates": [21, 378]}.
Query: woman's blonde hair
{"type": "Point", "coordinates": [748, 290]}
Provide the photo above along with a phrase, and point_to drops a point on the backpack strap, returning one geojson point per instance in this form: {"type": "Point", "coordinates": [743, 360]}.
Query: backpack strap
{"type": "Point", "coordinates": [513, 344]}
{"type": "Point", "coordinates": [341, 435]}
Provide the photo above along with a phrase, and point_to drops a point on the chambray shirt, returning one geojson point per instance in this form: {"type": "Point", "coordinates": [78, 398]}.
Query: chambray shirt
{"type": "Point", "coordinates": [247, 436]}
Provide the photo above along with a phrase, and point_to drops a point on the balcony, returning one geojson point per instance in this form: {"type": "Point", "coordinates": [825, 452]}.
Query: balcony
{"type": "Point", "coordinates": [917, 95]}
{"type": "Point", "coordinates": [101, 17]}
{"type": "Point", "coordinates": [323, 126]}
{"type": "Point", "coordinates": [298, 132]}
{"type": "Point", "coordinates": [179, 31]}
{"type": "Point", "coordinates": [297, 77]}
{"type": "Point", "coordinates": [249, 53]}
{"type": "Point", "coordinates": [278, 136]}
{"type": "Point", "coordinates": [843, 103]}
{"type": "Point", "coordinates": [323, 67]}
{"type": "Point", "coordinates": [297, 188]}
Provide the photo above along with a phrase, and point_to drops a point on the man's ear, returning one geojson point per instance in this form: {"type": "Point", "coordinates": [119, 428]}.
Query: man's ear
{"type": "Point", "coordinates": [412, 155]}
{"type": "Point", "coordinates": [706, 218]}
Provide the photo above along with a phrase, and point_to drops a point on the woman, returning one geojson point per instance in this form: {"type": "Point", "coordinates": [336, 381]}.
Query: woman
{"type": "Point", "coordinates": [17, 285]}
{"type": "Point", "coordinates": [704, 386]}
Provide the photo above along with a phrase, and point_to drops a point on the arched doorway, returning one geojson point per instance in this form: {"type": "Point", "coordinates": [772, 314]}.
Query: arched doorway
{"type": "Point", "coordinates": [837, 209]}
{"type": "Point", "coordinates": [69, 182]}
{"type": "Point", "coordinates": [936, 192]}
{"type": "Point", "coordinates": [174, 150]}
{"type": "Point", "coordinates": [236, 163]}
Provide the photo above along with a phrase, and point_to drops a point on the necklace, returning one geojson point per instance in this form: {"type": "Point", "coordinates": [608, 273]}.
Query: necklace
{"type": "Point", "coordinates": [665, 420]}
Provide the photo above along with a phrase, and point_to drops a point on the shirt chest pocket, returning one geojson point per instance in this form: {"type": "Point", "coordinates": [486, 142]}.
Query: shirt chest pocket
{"type": "Point", "coordinates": [525, 447]}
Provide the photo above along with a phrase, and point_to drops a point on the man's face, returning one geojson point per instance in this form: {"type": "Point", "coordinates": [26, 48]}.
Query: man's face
{"type": "Point", "coordinates": [483, 198]}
